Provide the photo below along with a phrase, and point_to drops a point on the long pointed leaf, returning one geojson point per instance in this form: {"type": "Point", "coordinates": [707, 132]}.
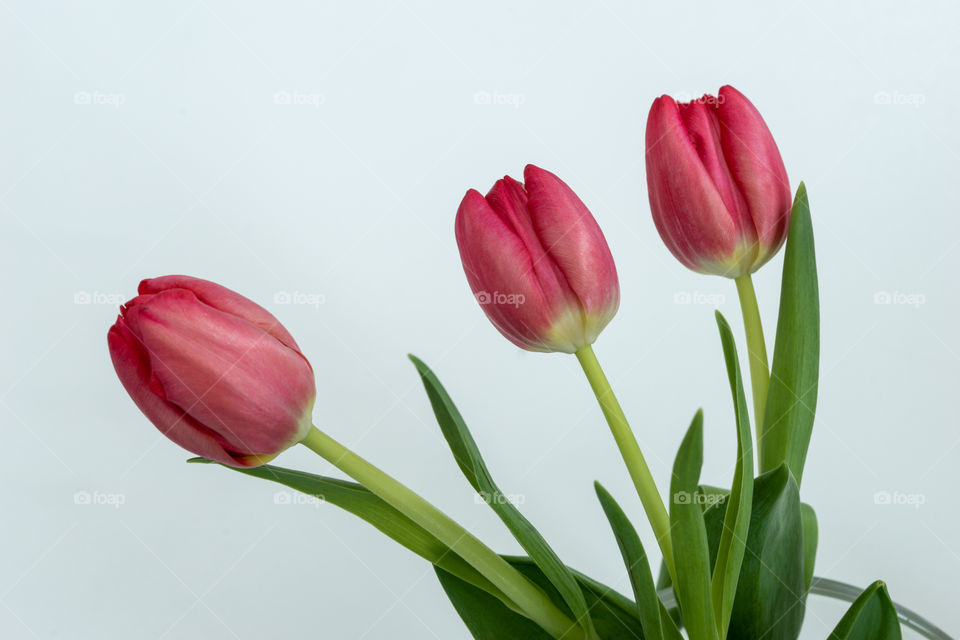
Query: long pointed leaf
{"type": "Point", "coordinates": [691, 555]}
{"type": "Point", "coordinates": [649, 606]}
{"type": "Point", "coordinates": [468, 457]}
{"type": "Point", "coordinates": [736, 523]}
{"type": "Point", "coordinates": [792, 397]}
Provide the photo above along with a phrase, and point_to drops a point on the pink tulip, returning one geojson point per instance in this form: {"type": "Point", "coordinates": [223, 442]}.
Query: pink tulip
{"type": "Point", "coordinates": [717, 185]}
{"type": "Point", "coordinates": [537, 262]}
{"type": "Point", "coordinates": [216, 373]}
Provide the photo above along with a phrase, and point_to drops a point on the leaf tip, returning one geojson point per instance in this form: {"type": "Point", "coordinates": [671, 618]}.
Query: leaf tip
{"type": "Point", "coordinates": [694, 435]}
{"type": "Point", "coordinates": [601, 491]}
{"type": "Point", "coordinates": [801, 198]}
{"type": "Point", "coordinates": [721, 321]}
{"type": "Point", "coordinates": [422, 368]}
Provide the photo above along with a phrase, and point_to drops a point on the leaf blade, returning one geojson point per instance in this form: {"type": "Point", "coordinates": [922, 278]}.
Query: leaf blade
{"type": "Point", "coordinates": [792, 395]}
{"type": "Point", "coordinates": [872, 616]}
{"type": "Point", "coordinates": [470, 461]}
{"type": "Point", "coordinates": [733, 539]}
{"type": "Point", "coordinates": [691, 554]}
{"type": "Point", "coordinates": [484, 616]}
{"type": "Point", "coordinates": [649, 606]}
{"type": "Point", "coordinates": [771, 593]}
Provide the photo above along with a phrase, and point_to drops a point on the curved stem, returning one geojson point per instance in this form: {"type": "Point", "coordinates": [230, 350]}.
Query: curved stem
{"type": "Point", "coordinates": [631, 454]}
{"type": "Point", "coordinates": [530, 599]}
{"type": "Point", "coordinates": [757, 350]}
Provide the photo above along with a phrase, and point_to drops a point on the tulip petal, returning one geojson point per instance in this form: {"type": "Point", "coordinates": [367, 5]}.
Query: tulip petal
{"type": "Point", "coordinates": [574, 242]}
{"type": "Point", "coordinates": [501, 273]}
{"type": "Point", "coordinates": [132, 365]}
{"type": "Point", "coordinates": [756, 166]}
{"type": "Point", "coordinates": [703, 127]}
{"type": "Point", "coordinates": [222, 299]}
{"type": "Point", "coordinates": [508, 198]}
{"type": "Point", "coordinates": [688, 210]}
{"type": "Point", "coordinates": [537, 242]}
{"type": "Point", "coordinates": [225, 372]}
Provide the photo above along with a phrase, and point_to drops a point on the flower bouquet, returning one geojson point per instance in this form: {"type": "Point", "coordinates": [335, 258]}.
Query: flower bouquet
{"type": "Point", "coordinates": [221, 377]}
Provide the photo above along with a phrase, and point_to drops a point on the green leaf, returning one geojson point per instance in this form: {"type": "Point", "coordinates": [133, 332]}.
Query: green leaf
{"type": "Point", "coordinates": [713, 516]}
{"type": "Point", "coordinates": [468, 457]}
{"type": "Point", "coordinates": [872, 616]}
{"type": "Point", "coordinates": [486, 617]}
{"type": "Point", "coordinates": [733, 539]}
{"type": "Point", "coordinates": [771, 593]}
{"type": "Point", "coordinates": [709, 496]}
{"type": "Point", "coordinates": [691, 555]}
{"type": "Point", "coordinates": [810, 534]}
{"type": "Point", "coordinates": [357, 500]}
{"type": "Point", "coordinates": [712, 494]}
{"type": "Point", "coordinates": [792, 396]}
{"type": "Point", "coordinates": [615, 616]}
{"type": "Point", "coordinates": [657, 625]}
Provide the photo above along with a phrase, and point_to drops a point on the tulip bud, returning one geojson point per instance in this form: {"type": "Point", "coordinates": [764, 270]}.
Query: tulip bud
{"type": "Point", "coordinates": [537, 262]}
{"type": "Point", "coordinates": [216, 373]}
{"type": "Point", "coordinates": [717, 185]}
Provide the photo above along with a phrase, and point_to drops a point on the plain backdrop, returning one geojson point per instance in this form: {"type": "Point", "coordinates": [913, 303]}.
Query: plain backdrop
{"type": "Point", "coordinates": [312, 157]}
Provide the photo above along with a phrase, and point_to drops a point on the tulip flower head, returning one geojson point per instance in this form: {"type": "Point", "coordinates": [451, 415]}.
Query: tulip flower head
{"type": "Point", "coordinates": [537, 262]}
{"type": "Point", "coordinates": [215, 372]}
{"type": "Point", "coordinates": [717, 185]}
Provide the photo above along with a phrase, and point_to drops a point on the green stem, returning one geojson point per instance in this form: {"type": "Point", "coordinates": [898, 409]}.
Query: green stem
{"type": "Point", "coordinates": [529, 598]}
{"type": "Point", "coordinates": [630, 451]}
{"type": "Point", "coordinates": [757, 348]}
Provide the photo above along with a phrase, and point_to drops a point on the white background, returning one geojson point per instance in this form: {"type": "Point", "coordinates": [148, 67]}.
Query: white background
{"type": "Point", "coordinates": [187, 161]}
